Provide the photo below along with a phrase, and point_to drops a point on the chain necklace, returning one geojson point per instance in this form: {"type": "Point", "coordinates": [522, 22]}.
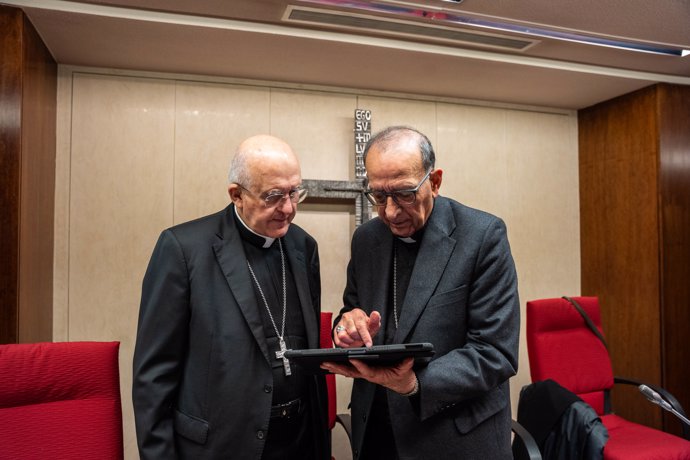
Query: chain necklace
{"type": "Point", "coordinates": [395, 285]}
{"type": "Point", "coordinates": [281, 340]}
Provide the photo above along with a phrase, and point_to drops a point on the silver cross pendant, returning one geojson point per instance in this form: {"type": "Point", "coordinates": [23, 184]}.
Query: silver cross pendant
{"type": "Point", "coordinates": [281, 355]}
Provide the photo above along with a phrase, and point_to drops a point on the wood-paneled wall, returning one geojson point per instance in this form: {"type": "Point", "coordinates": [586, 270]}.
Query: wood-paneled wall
{"type": "Point", "coordinates": [673, 104]}
{"type": "Point", "coordinates": [28, 90]}
{"type": "Point", "coordinates": [10, 119]}
{"type": "Point", "coordinates": [635, 238]}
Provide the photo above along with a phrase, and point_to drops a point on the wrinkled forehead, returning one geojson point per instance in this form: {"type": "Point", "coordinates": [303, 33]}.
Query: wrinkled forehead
{"type": "Point", "coordinates": [394, 163]}
{"type": "Point", "coordinates": [275, 173]}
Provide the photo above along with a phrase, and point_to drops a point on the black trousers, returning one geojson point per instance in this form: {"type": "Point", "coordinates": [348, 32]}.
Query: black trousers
{"type": "Point", "coordinates": [379, 442]}
{"type": "Point", "coordinates": [290, 438]}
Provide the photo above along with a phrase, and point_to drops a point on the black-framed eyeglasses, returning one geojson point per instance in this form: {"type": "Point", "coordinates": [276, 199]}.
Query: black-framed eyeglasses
{"type": "Point", "coordinates": [274, 198]}
{"type": "Point", "coordinates": [401, 197]}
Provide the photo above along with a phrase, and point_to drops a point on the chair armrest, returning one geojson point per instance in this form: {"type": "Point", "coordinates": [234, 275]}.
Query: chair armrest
{"type": "Point", "coordinates": [664, 394]}
{"type": "Point", "coordinates": [346, 422]}
{"type": "Point", "coordinates": [528, 441]}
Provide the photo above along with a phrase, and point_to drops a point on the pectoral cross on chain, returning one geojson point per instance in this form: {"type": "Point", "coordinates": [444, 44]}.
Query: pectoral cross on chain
{"type": "Point", "coordinates": [281, 355]}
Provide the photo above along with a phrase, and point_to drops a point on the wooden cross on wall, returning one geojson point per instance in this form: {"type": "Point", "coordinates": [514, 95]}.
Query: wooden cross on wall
{"type": "Point", "coordinates": [344, 191]}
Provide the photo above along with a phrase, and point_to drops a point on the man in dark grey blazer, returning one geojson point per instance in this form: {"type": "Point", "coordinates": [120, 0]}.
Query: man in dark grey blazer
{"type": "Point", "coordinates": [222, 298]}
{"type": "Point", "coordinates": [429, 269]}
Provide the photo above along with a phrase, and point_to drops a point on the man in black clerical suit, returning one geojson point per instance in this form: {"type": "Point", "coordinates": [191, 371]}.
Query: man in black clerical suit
{"type": "Point", "coordinates": [222, 298]}
{"type": "Point", "coordinates": [429, 269]}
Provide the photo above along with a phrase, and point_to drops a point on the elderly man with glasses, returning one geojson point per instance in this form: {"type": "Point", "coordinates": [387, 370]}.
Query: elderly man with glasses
{"type": "Point", "coordinates": [223, 297]}
{"type": "Point", "coordinates": [429, 269]}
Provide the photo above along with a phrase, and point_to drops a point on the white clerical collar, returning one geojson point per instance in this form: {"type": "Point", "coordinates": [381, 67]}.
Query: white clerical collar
{"type": "Point", "coordinates": [268, 241]}
{"type": "Point", "coordinates": [407, 239]}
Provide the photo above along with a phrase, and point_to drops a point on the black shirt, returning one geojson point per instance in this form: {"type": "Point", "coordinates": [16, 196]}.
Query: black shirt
{"type": "Point", "coordinates": [379, 441]}
{"type": "Point", "coordinates": [266, 264]}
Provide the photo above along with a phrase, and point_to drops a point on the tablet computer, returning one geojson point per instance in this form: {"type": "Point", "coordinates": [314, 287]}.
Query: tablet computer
{"type": "Point", "coordinates": [377, 355]}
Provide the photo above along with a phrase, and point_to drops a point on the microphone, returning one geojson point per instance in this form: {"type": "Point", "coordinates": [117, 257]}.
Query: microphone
{"type": "Point", "coordinates": [656, 398]}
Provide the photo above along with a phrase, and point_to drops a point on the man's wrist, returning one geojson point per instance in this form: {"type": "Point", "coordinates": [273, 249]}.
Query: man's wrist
{"type": "Point", "coordinates": [415, 389]}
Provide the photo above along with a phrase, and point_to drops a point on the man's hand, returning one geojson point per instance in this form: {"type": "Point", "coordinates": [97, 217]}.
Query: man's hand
{"type": "Point", "coordinates": [356, 329]}
{"type": "Point", "coordinates": [400, 378]}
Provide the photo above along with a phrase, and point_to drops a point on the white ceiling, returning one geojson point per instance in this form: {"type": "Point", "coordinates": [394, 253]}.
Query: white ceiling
{"type": "Point", "coordinates": [248, 39]}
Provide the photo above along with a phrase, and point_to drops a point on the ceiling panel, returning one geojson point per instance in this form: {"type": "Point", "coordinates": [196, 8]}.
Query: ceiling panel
{"type": "Point", "coordinates": [248, 39]}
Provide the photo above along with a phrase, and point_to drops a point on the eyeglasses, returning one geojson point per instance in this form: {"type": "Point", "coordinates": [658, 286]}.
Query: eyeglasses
{"type": "Point", "coordinates": [401, 197]}
{"type": "Point", "coordinates": [274, 198]}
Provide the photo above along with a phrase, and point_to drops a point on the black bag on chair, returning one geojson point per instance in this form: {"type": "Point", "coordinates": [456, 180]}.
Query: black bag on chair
{"type": "Point", "coordinates": [563, 426]}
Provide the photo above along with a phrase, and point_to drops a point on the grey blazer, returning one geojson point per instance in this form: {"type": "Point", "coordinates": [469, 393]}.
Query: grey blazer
{"type": "Point", "coordinates": [202, 380]}
{"type": "Point", "coordinates": [463, 298]}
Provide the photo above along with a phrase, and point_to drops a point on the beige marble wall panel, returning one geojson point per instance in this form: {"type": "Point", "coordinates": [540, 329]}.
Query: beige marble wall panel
{"type": "Point", "coordinates": [319, 127]}
{"type": "Point", "coordinates": [521, 166]}
{"type": "Point", "coordinates": [210, 122]}
{"type": "Point", "coordinates": [544, 201]}
{"type": "Point", "coordinates": [471, 151]}
{"type": "Point", "coordinates": [121, 198]}
{"type": "Point", "coordinates": [62, 203]}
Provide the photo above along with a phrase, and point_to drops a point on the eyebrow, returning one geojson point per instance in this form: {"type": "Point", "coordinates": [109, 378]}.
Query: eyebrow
{"type": "Point", "coordinates": [276, 191]}
{"type": "Point", "coordinates": [399, 189]}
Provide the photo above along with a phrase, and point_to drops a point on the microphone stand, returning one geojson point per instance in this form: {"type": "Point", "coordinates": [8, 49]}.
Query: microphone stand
{"type": "Point", "coordinates": [656, 398]}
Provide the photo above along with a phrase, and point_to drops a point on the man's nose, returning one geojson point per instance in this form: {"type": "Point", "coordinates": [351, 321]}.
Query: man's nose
{"type": "Point", "coordinates": [286, 206]}
{"type": "Point", "coordinates": [392, 207]}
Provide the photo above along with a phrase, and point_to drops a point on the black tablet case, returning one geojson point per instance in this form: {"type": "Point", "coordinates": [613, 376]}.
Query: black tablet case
{"type": "Point", "coordinates": [377, 355]}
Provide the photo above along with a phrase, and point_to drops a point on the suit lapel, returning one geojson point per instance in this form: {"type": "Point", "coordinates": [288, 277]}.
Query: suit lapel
{"type": "Point", "coordinates": [233, 263]}
{"type": "Point", "coordinates": [434, 254]}
{"type": "Point", "coordinates": [298, 265]}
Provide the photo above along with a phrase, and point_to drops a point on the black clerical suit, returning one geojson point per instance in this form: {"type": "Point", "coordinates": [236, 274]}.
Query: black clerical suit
{"type": "Point", "coordinates": [457, 288]}
{"type": "Point", "coordinates": [206, 375]}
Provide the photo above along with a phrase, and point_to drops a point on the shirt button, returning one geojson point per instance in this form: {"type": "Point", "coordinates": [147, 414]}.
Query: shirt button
{"type": "Point", "coordinates": [268, 388]}
{"type": "Point", "coordinates": [364, 417]}
{"type": "Point", "coordinates": [260, 434]}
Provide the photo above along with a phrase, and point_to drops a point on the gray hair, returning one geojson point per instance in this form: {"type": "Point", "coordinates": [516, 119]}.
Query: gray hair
{"type": "Point", "coordinates": [239, 172]}
{"type": "Point", "coordinates": [388, 135]}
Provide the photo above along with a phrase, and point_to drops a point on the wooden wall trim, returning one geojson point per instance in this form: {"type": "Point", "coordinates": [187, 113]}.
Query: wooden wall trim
{"type": "Point", "coordinates": [28, 89]}
{"type": "Point", "coordinates": [10, 163]}
{"type": "Point", "coordinates": [37, 205]}
{"type": "Point", "coordinates": [674, 186]}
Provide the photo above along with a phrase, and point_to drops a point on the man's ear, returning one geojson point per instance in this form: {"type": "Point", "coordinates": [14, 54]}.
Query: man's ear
{"type": "Point", "coordinates": [435, 178]}
{"type": "Point", "coordinates": [235, 193]}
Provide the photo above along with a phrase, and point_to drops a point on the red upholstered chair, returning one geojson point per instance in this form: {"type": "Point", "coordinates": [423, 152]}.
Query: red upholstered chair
{"type": "Point", "coordinates": [333, 416]}
{"type": "Point", "coordinates": [563, 348]}
{"type": "Point", "coordinates": [60, 401]}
